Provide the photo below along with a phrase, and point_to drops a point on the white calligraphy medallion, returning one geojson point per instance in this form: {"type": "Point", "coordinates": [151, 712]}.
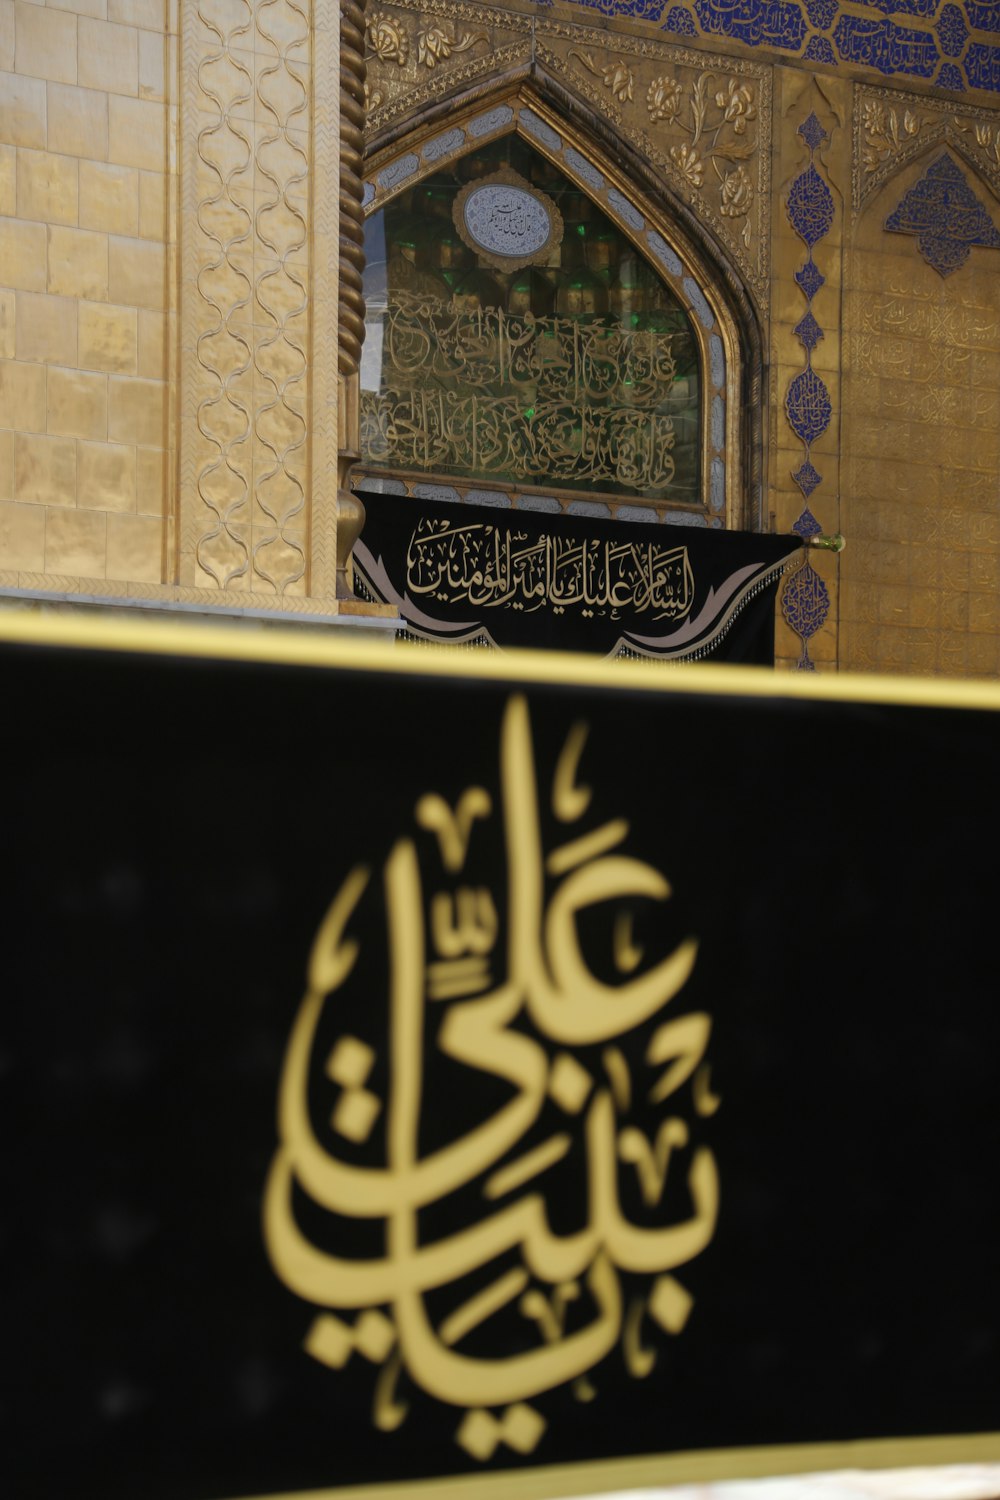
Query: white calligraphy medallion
{"type": "Point", "coordinates": [507, 222]}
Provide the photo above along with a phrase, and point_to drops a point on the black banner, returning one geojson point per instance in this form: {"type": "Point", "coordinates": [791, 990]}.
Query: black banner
{"type": "Point", "coordinates": [468, 574]}
{"type": "Point", "coordinates": [612, 1072]}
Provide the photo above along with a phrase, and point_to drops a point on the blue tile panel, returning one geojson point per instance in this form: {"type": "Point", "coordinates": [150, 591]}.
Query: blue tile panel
{"type": "Point", "coordinates": [946, 217]}
{"type": "Point", "coordinates": [948, 42]}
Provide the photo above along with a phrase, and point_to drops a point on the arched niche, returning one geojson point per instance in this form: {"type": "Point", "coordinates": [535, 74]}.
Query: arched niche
{"type": "Point", "coordinates": [520, 123]}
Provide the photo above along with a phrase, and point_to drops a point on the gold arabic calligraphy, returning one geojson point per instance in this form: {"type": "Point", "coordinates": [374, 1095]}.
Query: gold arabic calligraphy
{"type": "Point", "coordinates": [490, 565]}
{"type": "Point", "coordinates": [522, 1028]}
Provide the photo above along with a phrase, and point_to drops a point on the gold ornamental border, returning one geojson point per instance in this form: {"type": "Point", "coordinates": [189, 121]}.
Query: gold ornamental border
{"type": "Point", "coordinates": [509, 178]}
{"type": "Point", "coordinates": [293, 648]}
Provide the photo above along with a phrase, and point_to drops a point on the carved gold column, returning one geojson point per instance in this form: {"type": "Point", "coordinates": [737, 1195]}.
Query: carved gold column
{"type": "Point", "coordinates": [351, 313]}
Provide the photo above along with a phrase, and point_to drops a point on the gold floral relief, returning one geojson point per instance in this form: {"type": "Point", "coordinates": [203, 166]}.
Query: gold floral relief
{"type": "Point", "coordinates": [416, 53]}
{"type": "Point", "coordinates": [701, 122]}
{"type": "Point", "coordinates": [718, 119]}
{"type": "Point", "coordinates": [892, 128]}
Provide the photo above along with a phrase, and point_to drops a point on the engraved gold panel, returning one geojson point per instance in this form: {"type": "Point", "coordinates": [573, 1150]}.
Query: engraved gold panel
{"type": "Point", "coordinates": [922, 429]}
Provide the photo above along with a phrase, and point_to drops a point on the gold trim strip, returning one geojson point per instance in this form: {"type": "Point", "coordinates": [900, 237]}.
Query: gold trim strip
{"type": "Point", "coordinates": [294, 648]}
{"type": "Point", "coordinates": [657, 1470]}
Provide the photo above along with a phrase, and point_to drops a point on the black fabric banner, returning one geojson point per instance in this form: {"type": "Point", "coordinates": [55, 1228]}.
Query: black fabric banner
{"type": "Point", "coordinates": [468, 574]}
{"type": "Point", "coordinates": [612, 1070]}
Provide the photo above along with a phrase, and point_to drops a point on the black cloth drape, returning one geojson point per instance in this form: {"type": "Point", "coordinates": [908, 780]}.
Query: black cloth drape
{"type": "Point", "coordinates": [475, 575]}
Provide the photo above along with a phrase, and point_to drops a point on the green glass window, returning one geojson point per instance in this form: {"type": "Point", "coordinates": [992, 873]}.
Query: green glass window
{"type": "Point", "coordinates": [576, 372]}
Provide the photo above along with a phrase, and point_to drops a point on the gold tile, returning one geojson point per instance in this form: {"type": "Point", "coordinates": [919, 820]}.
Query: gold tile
{"type": "Point", "coordinates": [152, 66]}
{"type": "Point", "coordinates": [46, 328]}
{"type": "Point", "coordinates": [77, 403]}
{"type": "Point", "coordinates": [137, 133]}
{"type": "Point", "coordinates": [137, 270]}
{"type": "Point", "coordinates": [983, 654]}
{"type": "Point", "coordinates": [22, 395]}
{"type": "Point", "coordinates": [135, 547]}
{"type": "Point", "coordinates": [22, 255]}
{"type": "Point", "coordinates": [80, 7]}
{"type": "Point", "coordinates": [8, 180]}
{"type": "Point", "coordinates": [46, 43]}
{"type": "Point", "coordinates": [7, 324]}
{"type": "Point", "coordinates": [22, 110]}
{"type": "Point", "coordinates": [984, 613]}
{"type": "Point", "coordinates": [151, 472]}
{"type": "Point", "coordinates": [984, 570]}
{"type": "Point", "coordinates": [152, 344]}
{"type": "Point", "coordinates": [108, 56]}
{"type": "Point", "coordinates": [75, 542]}
{"type": "Point", "coordinates": [44, 470]}
{"type": "Point", "coordinates": [147, 14]}
{"type": "Point", "coordinates": [47, 186]}
{"type": "Point", "coordinates": [109, 198]}
{"type": "Point", "coordinates": [22, 537]}
{"type": "Point", "coordinates": [954, 612]}
{"type": "Point", "coordinates": [7, 35]}
{"type": "Point", "coordinates": [105, 477]}
{"type": "Point", "coordinates": [108, 338]}
{"type": "Point", "coordinates": [152, 205]}
{"type": "Point", "coordinates": [137, 411]}
{"type": "Point", "coordinates": [6, 466]}
{"type": "Point", "coordinates": [78, 262]}
{"type": "Point", "coordinates": [78, 121]}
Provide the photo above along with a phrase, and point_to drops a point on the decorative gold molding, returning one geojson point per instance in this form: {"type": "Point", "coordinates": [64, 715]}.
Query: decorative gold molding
{"type": "Point", "coordinates": [351, 330]}
{"type": "Point", "coordinates": [244, 298]}
{"type": "Point", "coordinates": [39, 590]}
{"type": "Point", "coordinates": [324, 267]}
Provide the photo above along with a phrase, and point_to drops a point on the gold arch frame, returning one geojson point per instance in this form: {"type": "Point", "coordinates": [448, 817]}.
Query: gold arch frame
{"type": "Point", "coordinates": [517, 106]}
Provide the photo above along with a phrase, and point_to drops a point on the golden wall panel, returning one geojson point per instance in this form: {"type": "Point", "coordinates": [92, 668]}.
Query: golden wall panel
{"type": "Point", "coordinates": [922, 430]}
{"type": "Point", "coordinates": [87, 126]}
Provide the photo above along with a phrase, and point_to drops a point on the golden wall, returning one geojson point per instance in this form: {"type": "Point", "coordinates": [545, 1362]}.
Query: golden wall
{"type": "Point", "coordinates": [87, 161]}
{"type": "Point", "coordinates": [169, 271]}
{"type": "Point", "coordinates": [921, 586]}
{"type": "Point", "coordinates": [171, 411]}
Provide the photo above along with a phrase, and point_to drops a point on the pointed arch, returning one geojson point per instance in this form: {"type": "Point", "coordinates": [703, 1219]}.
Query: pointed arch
{"type": "Point", "coordinates": [681, 247]}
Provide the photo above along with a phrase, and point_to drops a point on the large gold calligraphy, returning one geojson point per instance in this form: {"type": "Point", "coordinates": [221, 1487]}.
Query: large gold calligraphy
{"type": "Point", "coordinates": [551, 399]}
{"type": "Point", "coordinates": [485, 566]}
{"type": "Point", "coordinates": [523, 1025]}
